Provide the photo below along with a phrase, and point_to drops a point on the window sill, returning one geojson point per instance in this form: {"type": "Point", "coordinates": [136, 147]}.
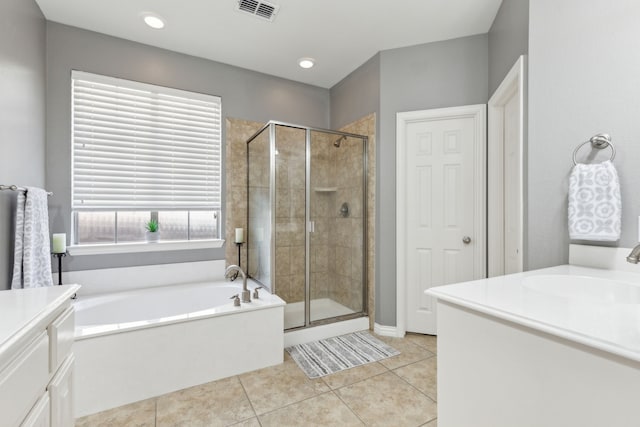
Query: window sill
{"type": "Point", "coordinates": [126, 248]}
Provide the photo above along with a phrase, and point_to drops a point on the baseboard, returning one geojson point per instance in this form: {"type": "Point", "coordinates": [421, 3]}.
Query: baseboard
{"type": "Point", "coordinates": [387, 331]}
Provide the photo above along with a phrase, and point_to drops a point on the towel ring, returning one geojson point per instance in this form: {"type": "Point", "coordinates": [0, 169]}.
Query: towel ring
{"type": "Point", "coordinates": [599, 141]}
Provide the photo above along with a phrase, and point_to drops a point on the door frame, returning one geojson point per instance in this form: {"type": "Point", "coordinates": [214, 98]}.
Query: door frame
{"type": "Point", "coordinates": [514, 81]}
{"type": "Point", "coordinates": [479, 113]}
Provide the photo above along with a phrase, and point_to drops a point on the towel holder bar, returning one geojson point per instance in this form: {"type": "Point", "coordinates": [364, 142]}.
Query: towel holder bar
{"type": "Point", "coordinates": [16, 188]}
{"type": "Point", "coordinates": [599, 141]}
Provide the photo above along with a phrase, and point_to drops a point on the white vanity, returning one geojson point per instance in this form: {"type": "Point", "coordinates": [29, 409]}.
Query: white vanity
{"type": "Point", "coordinates": [36, 361]}
{"type": "Point", "coordinates": [551, 347]}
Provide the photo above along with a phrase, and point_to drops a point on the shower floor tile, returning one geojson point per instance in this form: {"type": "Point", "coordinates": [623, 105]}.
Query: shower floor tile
{"type": "Point", "coordinates": [400, 393]}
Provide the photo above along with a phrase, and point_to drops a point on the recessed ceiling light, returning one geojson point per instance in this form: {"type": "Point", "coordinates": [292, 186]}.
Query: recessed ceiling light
{"type": "Point", "coordinates": [306, 62]}
{"type": "Point", "coordinates": [154, 21]}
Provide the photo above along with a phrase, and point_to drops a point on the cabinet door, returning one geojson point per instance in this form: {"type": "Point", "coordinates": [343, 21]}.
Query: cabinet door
{"type": "Point", "coordinates": [61, 338]}
{"type": "Point", "coordinates": [23, 381]}
{"type": "Point", "coordinates": [40, 415]}
{"type": "Point", "coordinates": [61, 394]}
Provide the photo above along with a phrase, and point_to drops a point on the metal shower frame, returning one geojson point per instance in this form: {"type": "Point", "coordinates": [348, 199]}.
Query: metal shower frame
{"type": "Point", "coordinates": [271, 125]}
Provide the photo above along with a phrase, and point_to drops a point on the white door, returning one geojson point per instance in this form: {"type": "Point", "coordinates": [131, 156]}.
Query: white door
{"type": "Point", "coordinates": [441, 200]}
{"type": "Point", "coordinates": [506, 182]}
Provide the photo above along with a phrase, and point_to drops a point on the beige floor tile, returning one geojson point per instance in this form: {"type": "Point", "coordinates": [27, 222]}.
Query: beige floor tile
{"type": "Point", "coordinates": [139, 414]}
{"type": "Point", "coordinates": [409, 352]}
{"type": "Point", "coordinates": [251, 422]}
{"type": "Point", "coordinates": [323, 410]}
{"type": "Point", "coordinates": [274, 387]}
{"type": "Point", "coordinates": [430, 342]}
{"type": "Point", "coordinates": [353, 375]}
{"type": "Point", "coordinates": [387, 400]}
{"type": "Point", "coordinates": [218, 403]}
{"type": "Point", "coordinates": [433, 423]}
{"type": "Point", "coordinates": [422, 375]}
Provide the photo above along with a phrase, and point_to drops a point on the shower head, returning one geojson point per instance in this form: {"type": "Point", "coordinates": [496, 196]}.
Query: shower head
{"type": "Point", "coordinates": [338, 141]}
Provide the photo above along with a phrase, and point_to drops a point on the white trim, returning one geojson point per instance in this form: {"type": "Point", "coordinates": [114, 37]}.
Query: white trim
{"type": "Point", "coordinates": [125, 248]}
{"type": "Point", "coordinates": [387, 331]}
{"type": "Point", "coordinates": [479, 113]}
{"type": "Point", "coordinates": [513, 82]}
{"type": "Point", "coordinates": [315, 333]}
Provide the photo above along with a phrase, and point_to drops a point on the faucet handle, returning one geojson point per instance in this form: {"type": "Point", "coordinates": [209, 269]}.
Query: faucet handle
{"type": "Point", "coordinates": [236, 300]}
{"type": "Point", "coordinates": [255, 292]}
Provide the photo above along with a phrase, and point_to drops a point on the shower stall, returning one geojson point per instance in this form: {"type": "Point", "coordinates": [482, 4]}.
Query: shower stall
{"type": "Point", "coordinates": [307, 219]}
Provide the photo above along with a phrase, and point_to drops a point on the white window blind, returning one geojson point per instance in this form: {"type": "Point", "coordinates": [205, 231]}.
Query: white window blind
{"type": "Point", "coordinates": [140, 146]}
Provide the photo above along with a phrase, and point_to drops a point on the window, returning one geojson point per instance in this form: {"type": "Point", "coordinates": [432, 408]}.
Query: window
{"type": "Point", "coordinates": [142, 152]}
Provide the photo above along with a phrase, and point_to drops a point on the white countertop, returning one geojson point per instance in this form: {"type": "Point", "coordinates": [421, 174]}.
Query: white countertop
{"type": "Point", "coordinates": [22, 308]}
{"type": "Point", "coordinates": [595, 307]}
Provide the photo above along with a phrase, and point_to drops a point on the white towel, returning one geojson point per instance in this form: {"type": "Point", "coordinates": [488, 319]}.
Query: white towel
{"type": "Point", "coordinates": [32, 255]}
{"type": "Point", "coordinates": [595, 206]}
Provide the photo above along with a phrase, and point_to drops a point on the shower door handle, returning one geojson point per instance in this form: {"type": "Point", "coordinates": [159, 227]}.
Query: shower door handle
{"type": "Point", "coordinates": [312, 226]}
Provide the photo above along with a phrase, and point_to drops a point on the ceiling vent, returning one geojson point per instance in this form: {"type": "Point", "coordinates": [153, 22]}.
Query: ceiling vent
{"type": "Point", "coordinates": [259, 9]}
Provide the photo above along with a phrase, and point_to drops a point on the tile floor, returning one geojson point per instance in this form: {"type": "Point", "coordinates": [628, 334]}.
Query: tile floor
{"type": "Point", "coordinates": [398, 391]}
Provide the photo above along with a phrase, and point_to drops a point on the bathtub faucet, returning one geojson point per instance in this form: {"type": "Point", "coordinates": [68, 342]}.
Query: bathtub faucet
{"type": "Point", "coordinates": [634, 256]}
{"type": "Point", "coordinates": [245, 294]}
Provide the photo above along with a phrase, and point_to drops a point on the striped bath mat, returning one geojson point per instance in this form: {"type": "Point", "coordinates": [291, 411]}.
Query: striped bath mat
{"type": "Point", "coordinates": [324, 357]}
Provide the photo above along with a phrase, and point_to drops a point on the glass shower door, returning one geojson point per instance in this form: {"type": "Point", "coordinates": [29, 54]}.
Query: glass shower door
{"type": "Point", "coordinates": [259, 210]}
{"type": "Point", "coordinates": [336, 225]}
{"type": "Point", "coordinates": [290, 214]}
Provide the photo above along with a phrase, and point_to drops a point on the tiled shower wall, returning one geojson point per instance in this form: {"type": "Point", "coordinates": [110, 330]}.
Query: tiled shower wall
{"type": "Point", "coordinates": [336, 177]}
{"type": "Point", "coordinates": [238, 132]}
{"type": "Point", "coordinates": [367, 126]}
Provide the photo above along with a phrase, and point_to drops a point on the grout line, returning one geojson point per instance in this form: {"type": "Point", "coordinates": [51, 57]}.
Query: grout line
{"type": "Point", "coordinates": [414, 387]}
{"type": "Point", "coordinates": [248, 399]}
{"type": "Point", "coordinates": [353, 367]}
{"type": "Point", "coordinates": [420, 345]}
{"type": "Point", "coordinates": [295, 403]}
{"type": "Point", "coordinates": [364, 379]}
{"type": "Point", "coordinates": [348, 407]}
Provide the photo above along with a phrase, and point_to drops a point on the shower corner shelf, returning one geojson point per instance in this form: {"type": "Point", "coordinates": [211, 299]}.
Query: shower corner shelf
{"type": "Point", "coordinates": [325, 189]}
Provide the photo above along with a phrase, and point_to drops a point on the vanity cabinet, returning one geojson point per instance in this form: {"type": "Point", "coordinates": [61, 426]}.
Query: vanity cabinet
{"type": "Point", "coordinates": [555, 347]}
{"type": "Point", "coordinates": [36, 359]}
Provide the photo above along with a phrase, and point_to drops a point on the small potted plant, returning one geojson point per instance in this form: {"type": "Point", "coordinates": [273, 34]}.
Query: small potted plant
{"type": "Point", "coordinates": [152, 230]}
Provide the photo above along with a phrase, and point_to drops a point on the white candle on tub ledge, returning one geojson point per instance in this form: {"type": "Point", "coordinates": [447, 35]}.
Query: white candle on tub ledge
{"type": "Point", "coordinates": [239, 235]}
{"type": "Point", "coordinates": [59, 243]}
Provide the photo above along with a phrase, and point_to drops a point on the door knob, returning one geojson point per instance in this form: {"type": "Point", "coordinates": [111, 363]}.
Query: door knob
{"type": "Point", "coordinates": [466, 240]}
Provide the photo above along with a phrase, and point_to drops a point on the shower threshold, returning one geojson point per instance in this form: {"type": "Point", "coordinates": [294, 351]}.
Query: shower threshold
{"type": "Point", "coordinates": [321, 308]}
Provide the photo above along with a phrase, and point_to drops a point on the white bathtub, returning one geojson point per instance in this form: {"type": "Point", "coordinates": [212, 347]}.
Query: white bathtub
{"type": "Point", "coordinates": [137, 344]}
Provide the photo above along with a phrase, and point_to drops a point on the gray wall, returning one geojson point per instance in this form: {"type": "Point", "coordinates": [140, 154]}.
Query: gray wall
{"type": "Point", "coordinates": [356, 95]}
{"type": "Point", "coordinates": [581, 81]}
{"type": "Point", "coordinates": [245, 94]}
{"type": "Point", "coordinates": [433, 75]}
{"type": "Point", "coordinates": [508, 39]}
{"type": "Point", "coordinates": [22, 117]}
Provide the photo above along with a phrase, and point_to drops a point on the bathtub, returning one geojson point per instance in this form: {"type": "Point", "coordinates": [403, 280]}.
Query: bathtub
{"type": "Point", "coordinates": [133, 345]}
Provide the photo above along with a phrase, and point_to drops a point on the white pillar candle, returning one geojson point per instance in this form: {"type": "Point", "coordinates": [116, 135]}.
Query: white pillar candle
{"type": "Point", "coordinates": [59, 243]}
{"type": "Point", "coordinates": [239, 235]}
